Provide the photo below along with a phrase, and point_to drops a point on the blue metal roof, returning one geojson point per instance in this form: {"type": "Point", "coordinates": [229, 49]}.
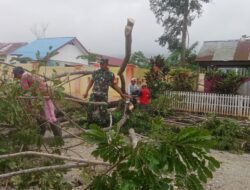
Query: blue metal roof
{"type": "Point", "coordinates": [44, 46]}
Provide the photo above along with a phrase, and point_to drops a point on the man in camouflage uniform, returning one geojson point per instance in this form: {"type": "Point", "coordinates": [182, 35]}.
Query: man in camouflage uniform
{"type": "Point", "coordinates": [101, 79]}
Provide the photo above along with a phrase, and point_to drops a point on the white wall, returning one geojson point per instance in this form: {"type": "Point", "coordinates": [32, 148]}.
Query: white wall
{"type": "Point", "coordinates": [6, 59]}
{"type": "Point", "coordinates": [69, 54]}
{"type": "Point", "coordinates": [244, 89]}
{"type": "Point", "coordinates": [9, 59]}
{"type": "Point", "coordinates": [2, 58]}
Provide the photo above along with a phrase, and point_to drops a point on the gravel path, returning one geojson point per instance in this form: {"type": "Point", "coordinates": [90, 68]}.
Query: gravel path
{"type": "Point", "coordinates": [234, 173]}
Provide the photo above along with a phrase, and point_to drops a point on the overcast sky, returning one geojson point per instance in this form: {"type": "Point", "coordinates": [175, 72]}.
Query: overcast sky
{"type": "Point", "coordinates": [99, 24]}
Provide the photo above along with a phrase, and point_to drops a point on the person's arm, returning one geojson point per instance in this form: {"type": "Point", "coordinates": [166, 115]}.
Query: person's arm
{"type": "Point", "coordinates": [91, 82]}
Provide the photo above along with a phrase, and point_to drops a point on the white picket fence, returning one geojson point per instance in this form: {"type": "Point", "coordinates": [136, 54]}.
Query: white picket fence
{"type": "Point", "coordinates": [223, 104]}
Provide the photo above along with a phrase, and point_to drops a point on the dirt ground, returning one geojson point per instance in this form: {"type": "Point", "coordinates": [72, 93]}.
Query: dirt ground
{"type": "Point", "coordinates": [234, 173]}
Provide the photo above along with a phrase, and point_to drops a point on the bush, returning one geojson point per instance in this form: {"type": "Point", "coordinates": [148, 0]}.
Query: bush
{"type": "Point", "coordinates": [161, 106]}
{"type": "Point", "coordinates": [223, 83]}
{"type": "Point", "coordinates": [156, 80]}
{"type": "Point", "coordinates": [182, 79]}
{"type": "Point", "coordinates": [140, 120]}
{"type": "Point", "coordinates": [229, 135]}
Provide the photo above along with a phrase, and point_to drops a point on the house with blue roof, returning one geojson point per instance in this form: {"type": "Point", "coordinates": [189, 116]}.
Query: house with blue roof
{"type": "Point", "coordinates": [56, 51]}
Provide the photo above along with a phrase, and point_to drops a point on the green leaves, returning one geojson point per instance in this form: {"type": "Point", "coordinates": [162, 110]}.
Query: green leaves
{"type": "Point", "coordinates": [95, 135]}
{"type": "Point", "coordinates": [161, 162]}
{"type": "Point", "coordinates": [111, 146]}
{"type": "Point", "coordinates": [161, 106]}
{"type": "Point", "coordinates": [19, 120]}
{"type": "Point", "coordinates": [174, 16]}
{"type": "Point", "coordinates": [139, 59]}
{"type": "Point", "coordinates": [45, 181]}
{"type": "Point", "coordinates": [194, 137]}
{"type": "Point", "coordinates": [183, 79]}
{"type": "Point", "coordinates": [213, 161]}
{"type": "Point", "coordinates": [193, 183]}
{"type": "Point", "coordinates": [227, 133]}
{"type": "Point", "coordinates": [223, 82]}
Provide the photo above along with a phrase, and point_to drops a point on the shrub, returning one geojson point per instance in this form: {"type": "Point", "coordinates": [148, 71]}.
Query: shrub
{"type": "Point", "coordinates": [156, 80]}
{"type": "Point", "coordinates": [161, 106]}
{"type": "Point", "coordinates": [229, 135]}
{"type": "Point", "coordinates": [224, 83]}
{"type": "Point", "coordinates": [182, 79]}
{"type": "Point", "coordinates": [140, 120]}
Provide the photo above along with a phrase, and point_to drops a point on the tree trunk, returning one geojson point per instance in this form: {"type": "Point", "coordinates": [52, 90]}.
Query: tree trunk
{"type": "Point", "coordinates": [128, 42]}
{"type": "Point", "coordinates": [184, 33]}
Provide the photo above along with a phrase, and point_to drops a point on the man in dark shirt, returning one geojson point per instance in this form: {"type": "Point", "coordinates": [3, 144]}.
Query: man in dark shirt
{"type": "Point", "coordinates": [101, 79]}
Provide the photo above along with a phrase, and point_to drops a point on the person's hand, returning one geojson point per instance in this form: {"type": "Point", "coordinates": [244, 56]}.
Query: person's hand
{"type": "Point", "coordinates": [123, 96]}
{"type": "Point", "coordinates": [85, 95]}
{"type": "Point", "coordinates": [126, 96]}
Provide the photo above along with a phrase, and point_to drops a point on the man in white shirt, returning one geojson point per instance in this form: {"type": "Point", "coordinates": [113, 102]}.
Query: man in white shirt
{"type": "Point", "coordinates": [133, 90]}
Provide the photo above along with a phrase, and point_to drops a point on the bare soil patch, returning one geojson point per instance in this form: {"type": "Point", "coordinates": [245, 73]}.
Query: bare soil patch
{"type": "Point", "coordinates": [234, 173]}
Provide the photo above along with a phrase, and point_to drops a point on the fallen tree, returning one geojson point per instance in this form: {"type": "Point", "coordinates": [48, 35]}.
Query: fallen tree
{"type": "Point", "coordinates": [160, 159]}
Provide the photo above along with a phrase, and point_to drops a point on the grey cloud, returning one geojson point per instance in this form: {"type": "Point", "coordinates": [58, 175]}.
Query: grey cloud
{"type": "Point", "coordinates": [99, 24]}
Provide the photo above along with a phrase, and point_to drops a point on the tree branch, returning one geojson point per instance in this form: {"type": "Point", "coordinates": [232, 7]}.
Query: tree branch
{"type": "Point", "coordinates": [123, 119]}
{"type": "Point", "coordinates": [85, 102]}
{"type": "Point", "coordinates": [68, 81]}
{"type": "Point", "coordinates": [68, 118]}
{"type": "Point", "coordinates": [73, 159]}
{"type": "Point", "coordinates": [110, 123]}
{"type": "Point", "coordinates": [42, 169]}
{"type": "Point", "coordinates": [133, 138]}
{"type": "Point", "coordinates": [13, 66]}
{"type": "Point", "coordinates": [128, 42]}
{"type": "Point", "coordinates": [83, 73]}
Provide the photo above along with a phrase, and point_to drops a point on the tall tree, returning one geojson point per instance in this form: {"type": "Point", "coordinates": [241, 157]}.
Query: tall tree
{"type": "Point", "coordinates": [39, 31]}
{"type": "Point", "coordinates": [174, 57]}
{"type": "Point", "coordinates": [175, 16]}
{"type": "Point", "coordinates": [139, 59]}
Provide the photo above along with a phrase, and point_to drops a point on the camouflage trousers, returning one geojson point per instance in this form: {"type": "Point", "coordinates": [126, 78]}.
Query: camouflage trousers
{"type": "Point", "coordinates": [98, 113]}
